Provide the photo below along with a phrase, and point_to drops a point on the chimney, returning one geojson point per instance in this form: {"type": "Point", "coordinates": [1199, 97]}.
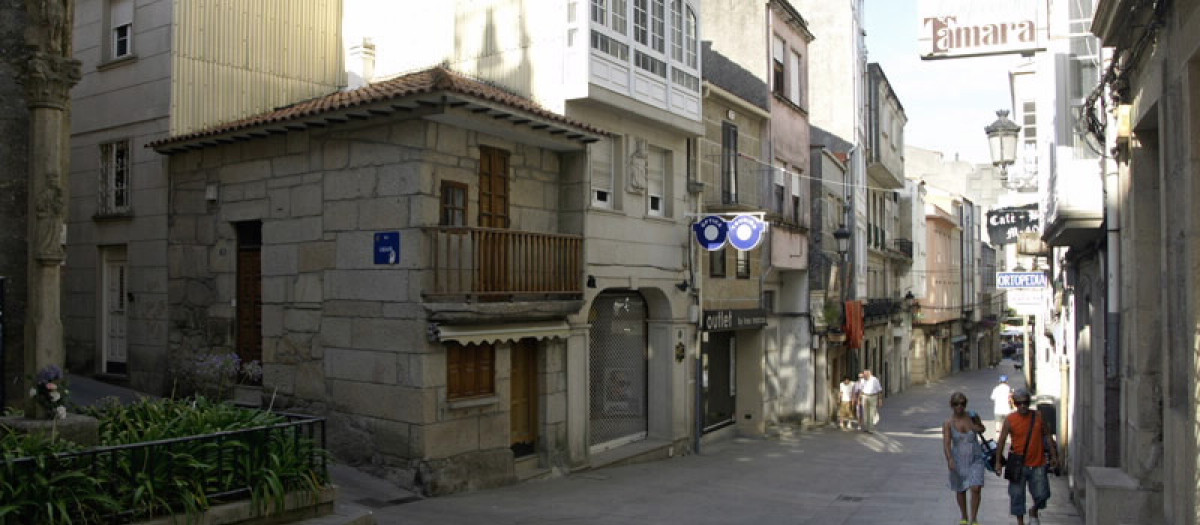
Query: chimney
{"type": "Point", "coordinates": [360, 69]}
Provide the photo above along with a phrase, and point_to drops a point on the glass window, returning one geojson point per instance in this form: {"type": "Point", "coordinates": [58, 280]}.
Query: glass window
{"type": "Point", "coordinates": [676, 31]}
{"type": "Point", "coordinates": [689, 47]}
{"type": "Point", "coordinates": [656, 181]}
{"type": "Point", "coordinates": [658, 26]}
{"type": "Point", "coordinates": [120, 20]}
{"type": "Point", "coordinates": [114, 187]}
{"type": "Point", "coordinates": [454, 204]}
{"type": "Point", "coordinates": [640, 22]}
{"type": "Point", "coordinates": [619, 17]}
{"type": "Point", "coordinates": [602, 173]}
{"type": "Point", "coordinates": [743, 264]}
{"type": "Point", "coordinates": [729, 163]}
{"type": "Point", "coordinates": [777, 57]}
{"type": "Point", "coordinates": [716, 263]}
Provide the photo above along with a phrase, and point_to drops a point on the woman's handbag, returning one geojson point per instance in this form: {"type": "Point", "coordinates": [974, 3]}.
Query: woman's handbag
{"type": "Point", "coordinates": [1014, 470]}
{"type": "Point", "coordinates": [988, 450]}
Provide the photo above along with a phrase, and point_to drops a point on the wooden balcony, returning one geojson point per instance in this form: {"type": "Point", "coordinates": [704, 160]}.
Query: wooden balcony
{"type": "Point", "coordinates": [492, 264]}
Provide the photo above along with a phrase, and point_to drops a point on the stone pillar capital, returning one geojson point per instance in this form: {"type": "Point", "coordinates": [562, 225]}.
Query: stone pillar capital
{"type": "Point", "coordinates": [49, 79]}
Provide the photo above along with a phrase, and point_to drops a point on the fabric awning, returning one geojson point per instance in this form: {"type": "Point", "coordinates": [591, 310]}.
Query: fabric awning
{"type": "Point", "coordinates": [491, 333]}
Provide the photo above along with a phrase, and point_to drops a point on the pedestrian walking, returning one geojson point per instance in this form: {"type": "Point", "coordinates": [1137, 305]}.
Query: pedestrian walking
{"type": "Point", "coordinates": [846, 403]}
{"type": "Point", "coordinates": [857, 400]}
{"type": "Point", "coordinates": [964, 456]}
{"type": "Point", "coordinates": [1001, 401]}
{"type": "Point", "coordinates": [1033, 448]}
{"type": "Point", "coordinates": [872, 394]}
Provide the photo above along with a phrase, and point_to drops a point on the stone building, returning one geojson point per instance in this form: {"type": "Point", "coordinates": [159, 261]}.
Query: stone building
{"type": "Point", "coordinates": [1131, 304]}
{"type": "Point", "coordinates": [632, 69]}
{"type": "Point", "coordinates": [439, 348]}
{"type": "Point", "coordinates": [889, 242]}
{"type": "Point", "coordinates": [151, 70]}
{"type": "Point", "coordinates": [752, 158]}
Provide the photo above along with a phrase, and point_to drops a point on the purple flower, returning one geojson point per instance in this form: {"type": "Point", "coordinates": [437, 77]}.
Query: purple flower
{"type": "Point", "coordinates": [49, 374]}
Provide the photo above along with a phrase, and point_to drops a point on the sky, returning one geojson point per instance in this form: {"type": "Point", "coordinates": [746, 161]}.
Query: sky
{"type": "Point", "coordinates": [947, 102]}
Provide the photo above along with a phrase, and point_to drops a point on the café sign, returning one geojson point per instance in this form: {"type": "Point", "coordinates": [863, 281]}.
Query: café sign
{"type": "Point", "coordinates": [967, 28]}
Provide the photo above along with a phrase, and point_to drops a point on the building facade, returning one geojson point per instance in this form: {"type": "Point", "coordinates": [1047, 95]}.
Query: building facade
{"type": "Point", "coordinates": [1127, 294]}
{"type": "Point", "coordinates": [889, 253]}
{"type": "Point", "coordinates": [148, 73]}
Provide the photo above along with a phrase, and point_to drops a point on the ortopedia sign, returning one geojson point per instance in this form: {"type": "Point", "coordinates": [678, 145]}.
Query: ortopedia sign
{"type": "Point", "coordinates": [1021, 280]}
{"type": "Point", "coordinates": [965, 28]}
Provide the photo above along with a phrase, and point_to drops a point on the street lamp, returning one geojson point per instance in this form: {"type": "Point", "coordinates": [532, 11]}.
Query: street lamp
{"type": "Point", "coordinates": [843, 240]}
{"type": "Point", "coordinates": [842, 235]}
{"type": "Point", "coordinates": [1002, 142]}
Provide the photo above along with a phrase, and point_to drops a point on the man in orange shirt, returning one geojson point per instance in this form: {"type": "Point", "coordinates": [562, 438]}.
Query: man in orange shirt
{"type": "Point", "coordinates": [1030, 439]}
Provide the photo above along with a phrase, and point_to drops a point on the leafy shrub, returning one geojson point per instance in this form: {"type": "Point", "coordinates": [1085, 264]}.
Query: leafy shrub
{"type": "Point", "coordinates": [247, 454]}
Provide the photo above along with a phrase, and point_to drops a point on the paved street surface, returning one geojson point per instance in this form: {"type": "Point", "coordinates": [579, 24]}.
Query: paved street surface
{"type": "Point", "coordinates": [805, 477]}
{"type": "Point", "coordinates": [820, 476]}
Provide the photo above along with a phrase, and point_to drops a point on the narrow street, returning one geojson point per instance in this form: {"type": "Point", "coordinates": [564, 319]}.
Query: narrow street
{"type": "Point", "coordinates": [820, 476]}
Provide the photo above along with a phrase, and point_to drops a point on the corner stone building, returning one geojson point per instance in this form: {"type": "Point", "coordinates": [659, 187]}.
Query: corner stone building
{"type": "Point", "coordinates": [410, 253]}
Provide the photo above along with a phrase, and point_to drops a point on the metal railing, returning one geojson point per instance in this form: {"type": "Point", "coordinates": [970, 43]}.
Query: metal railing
{"type": "Point", "coordinates": [221, 466]}
{"type": "Point", "coordinates": [881, 307]}
{"type": "Point", "coordinates": [904, 246]}
{"type": "Point", "coordinates": [744, 184]}
{"type": "Point", "coordinates": [483, 262]}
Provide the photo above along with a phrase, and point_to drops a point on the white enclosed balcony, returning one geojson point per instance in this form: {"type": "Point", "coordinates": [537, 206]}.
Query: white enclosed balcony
{"type": "Point", "coordinates": [648, 50]}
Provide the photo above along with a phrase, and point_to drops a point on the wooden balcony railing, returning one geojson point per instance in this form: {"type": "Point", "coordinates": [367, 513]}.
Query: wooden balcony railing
{"type": "Point", "coordinates": [497, 263]}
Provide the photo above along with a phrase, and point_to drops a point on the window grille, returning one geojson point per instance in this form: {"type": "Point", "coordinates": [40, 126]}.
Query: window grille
{"type": "Point", "coordinates": [114, 181]}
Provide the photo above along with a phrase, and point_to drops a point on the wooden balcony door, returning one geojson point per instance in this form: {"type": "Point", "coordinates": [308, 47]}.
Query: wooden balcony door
{"type": "Point", "coordinates": [493, 213]}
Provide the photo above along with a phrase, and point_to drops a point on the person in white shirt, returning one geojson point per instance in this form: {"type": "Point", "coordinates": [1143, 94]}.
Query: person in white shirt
{"type": "Point", "coordinates": [872, 395]}
{"type": "Point", "coordinates": [846, 405]}
{"type": "Point", "coordinates": [1001, 401]}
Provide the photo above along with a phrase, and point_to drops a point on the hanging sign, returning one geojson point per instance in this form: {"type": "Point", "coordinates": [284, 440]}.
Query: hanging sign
{"type": "Point", "coordinates": [746, 232]}
{"type": "Point", "coordinates": [711, 232]}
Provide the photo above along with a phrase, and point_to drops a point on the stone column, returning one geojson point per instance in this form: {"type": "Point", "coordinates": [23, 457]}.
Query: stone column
{"type": "Point", "coordinates": [49, 75]}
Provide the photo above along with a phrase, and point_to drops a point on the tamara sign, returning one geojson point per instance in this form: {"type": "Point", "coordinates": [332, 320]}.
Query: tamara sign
{"type": "Point", "coordinates": [966, 28]}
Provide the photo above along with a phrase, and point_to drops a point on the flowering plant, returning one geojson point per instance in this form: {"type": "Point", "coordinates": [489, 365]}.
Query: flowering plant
{"type": "Point", "coordinates": [213, 374]}
{"type": "Point", "coordinates": [49, 393]}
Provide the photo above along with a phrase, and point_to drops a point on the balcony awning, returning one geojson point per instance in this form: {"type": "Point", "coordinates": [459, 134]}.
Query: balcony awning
{"type": "Point", "coordinates": [492, 333]}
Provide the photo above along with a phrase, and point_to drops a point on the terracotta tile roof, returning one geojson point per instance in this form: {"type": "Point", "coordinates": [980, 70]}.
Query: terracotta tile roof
{"type": "Point", "coordinates": [423, 82]}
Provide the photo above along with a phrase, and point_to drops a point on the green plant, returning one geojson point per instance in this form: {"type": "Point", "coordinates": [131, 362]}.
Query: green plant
{"type": "Point", "coordinates": [248, 454]}
{"type": "Point", "coordinates": [833, 314]}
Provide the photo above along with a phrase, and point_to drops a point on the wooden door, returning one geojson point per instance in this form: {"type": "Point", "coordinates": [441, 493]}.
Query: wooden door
{"type": "Point", "coordinates": [523, 398]}
{"type": "Point", "coordinates": [115, 295]}
{"type": "Point", "coordinates": [493, 213]}
{"type": "Point", "coordinates": [249, 292]}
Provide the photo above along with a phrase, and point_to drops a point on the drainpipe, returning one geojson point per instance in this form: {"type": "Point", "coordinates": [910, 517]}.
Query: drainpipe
{"type": "Point", "coordinates": [1112, 305]}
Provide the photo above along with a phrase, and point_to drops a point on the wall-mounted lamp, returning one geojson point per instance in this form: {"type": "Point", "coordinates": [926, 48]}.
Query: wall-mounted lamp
{"type": "Point", "coordinates": [682, 285]}
{"type": "Point", "coordinates": [591, 281]}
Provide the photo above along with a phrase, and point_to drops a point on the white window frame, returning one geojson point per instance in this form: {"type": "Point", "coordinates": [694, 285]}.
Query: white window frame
{"type": "Point", "coordinates": [656, 181]}
{"type": "Point", "coordinates": [603, 159]}
{"type": "Point", "coordinates": [120, 28]}
{"type": "Point", "coordinates": [115, 178]}
{"type": "Point", "coordinates": [794, 92]}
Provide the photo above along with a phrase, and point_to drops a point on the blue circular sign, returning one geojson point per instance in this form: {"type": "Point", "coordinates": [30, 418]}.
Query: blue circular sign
{"type": "Point", "coordinates": [745, 232]}
{"type": "Point", "coordinates": [711, 232]}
